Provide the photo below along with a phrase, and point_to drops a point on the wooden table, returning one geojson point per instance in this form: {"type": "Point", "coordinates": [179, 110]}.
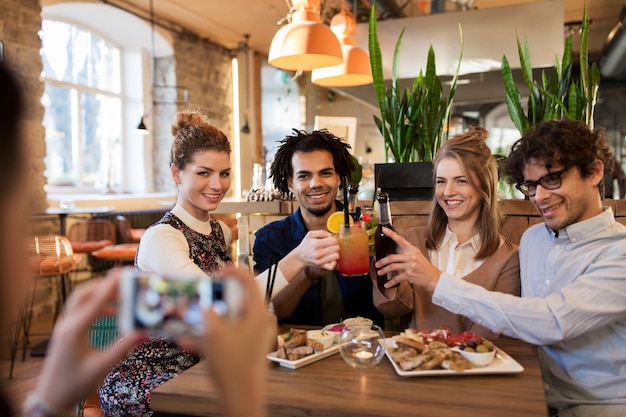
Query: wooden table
{"type": "Point", "coordinates": [330, 387]}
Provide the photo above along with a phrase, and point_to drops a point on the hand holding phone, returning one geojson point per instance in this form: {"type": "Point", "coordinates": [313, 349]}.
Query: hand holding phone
{"type": "Point", "coordinates": [173, 306]}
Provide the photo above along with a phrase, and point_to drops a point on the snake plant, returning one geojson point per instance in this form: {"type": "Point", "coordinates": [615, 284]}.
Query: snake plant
{"type": "Point", "coordinates": [560, 95]}
{"type": "Point", "coordinates": [414, 123]}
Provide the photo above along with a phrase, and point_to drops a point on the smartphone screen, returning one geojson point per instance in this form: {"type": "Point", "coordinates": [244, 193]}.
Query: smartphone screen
{"type": "Point", "coordinates": [170, 307]}
{"type": "Point", "coordinates": [173, 306]}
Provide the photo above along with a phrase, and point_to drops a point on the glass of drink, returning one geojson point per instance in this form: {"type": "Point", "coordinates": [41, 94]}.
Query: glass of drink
{"type": "Point", "coordinates": [354, 252]}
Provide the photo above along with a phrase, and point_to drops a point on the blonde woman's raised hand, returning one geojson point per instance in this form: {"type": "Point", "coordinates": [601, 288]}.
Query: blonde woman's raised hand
{"type": "Point", "coordinates": [409, 264]}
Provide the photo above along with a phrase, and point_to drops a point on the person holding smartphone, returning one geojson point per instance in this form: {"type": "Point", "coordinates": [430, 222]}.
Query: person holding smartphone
{"type": "Point", "coordinates": [187, 242]}
{"type": "Point", "coordinates": [235, 349]}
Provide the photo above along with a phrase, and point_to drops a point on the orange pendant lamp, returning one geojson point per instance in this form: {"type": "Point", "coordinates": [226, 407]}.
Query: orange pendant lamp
{"type": "Point", "coordinates": [355, 68]}
{"type": "Point", "coordinates": [305, 43]}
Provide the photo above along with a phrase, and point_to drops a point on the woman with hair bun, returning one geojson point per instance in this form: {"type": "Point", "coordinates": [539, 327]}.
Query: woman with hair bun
{"type": "Point", "coordinates": [185, 242]}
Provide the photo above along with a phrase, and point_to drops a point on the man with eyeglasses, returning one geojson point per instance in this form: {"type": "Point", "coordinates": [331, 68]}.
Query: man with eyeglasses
{"type": "Point", "coordinates": [573, 273]}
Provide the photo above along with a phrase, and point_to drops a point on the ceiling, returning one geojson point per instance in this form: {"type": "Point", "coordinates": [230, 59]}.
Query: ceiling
{"type": "Point", "coordinates": [227, 22]}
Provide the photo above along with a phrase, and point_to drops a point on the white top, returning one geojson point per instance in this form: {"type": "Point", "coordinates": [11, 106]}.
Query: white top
{"type": "Point", "coordinates": [165, 250]}
{"type": "Point", "coordinates": [454, 259]}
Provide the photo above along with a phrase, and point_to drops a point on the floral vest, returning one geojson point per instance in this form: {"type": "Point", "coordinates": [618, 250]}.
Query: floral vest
{"type": "Point", "coordinates": [209, 252]}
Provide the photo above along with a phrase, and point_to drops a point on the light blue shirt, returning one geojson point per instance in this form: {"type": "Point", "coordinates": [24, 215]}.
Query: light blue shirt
{"type": "Point", "coordinates": [573, 305]}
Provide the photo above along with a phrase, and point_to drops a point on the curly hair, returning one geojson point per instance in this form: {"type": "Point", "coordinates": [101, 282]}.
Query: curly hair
{"type": "Point", "coordinates": [471, 151]}
{"type": "Point", "coordinates": [302, 141]}
{"type": "Point", "coordinates": [193, 133]}
{"type": "Point", "coordinates": [559, 143]}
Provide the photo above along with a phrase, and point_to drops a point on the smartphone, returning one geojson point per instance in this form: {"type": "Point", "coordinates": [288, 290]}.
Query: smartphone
{"type": "Point", "coordinates": [174, 306]}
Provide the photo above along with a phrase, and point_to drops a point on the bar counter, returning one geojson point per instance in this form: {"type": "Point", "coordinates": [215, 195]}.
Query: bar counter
{"type": "Point", "coordinates": [330, 387]}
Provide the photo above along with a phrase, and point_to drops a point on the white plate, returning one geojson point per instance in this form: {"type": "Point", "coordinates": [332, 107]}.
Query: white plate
{"type": "Point", "coordinates": [306, 360]}
{"type": "Point", "coordinates": [502, 364]}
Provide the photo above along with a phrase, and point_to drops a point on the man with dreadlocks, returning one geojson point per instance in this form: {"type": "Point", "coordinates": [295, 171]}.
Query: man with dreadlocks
{"type": "Point", "coordinates": [307, 289]}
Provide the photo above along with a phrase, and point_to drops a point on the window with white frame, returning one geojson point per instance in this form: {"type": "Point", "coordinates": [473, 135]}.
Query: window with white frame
{"type": "Point", "coordinates": [83, 106]}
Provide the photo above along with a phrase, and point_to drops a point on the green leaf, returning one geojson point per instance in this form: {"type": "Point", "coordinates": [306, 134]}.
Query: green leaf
{"type": "Point", "coordinates": [560, 94]}
{"type": "Point", "coordinates": [356, 176]}
{"type": "Point", "coordinates": [513, 98]}
{"type": "Point", "coordinates": [412, 122]}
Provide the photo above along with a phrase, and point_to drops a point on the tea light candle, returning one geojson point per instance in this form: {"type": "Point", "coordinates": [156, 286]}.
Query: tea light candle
{"type": "Point", "coordinates": [364, 356]}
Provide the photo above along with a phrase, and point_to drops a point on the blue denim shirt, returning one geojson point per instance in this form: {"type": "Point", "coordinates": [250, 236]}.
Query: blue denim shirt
{"type": "Point", "coordinates": [275, 240]}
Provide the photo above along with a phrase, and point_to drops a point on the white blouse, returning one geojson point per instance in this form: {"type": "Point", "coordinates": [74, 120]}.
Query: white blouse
{"type": "Point", "coordinates": [454, 259]}
{"type": "Point", "coordinates": [165, 250]}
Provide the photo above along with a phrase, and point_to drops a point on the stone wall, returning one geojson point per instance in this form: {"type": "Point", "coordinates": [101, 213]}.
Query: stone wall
{"type": "Point", "coordinates": [20, 23]}
{"type": "Point", "coordinates": [19, 27]}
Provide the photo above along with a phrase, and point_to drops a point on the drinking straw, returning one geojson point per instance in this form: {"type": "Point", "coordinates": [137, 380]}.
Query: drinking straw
{"type": "Point", "coordinates": [267, 283]}
{"type": "Point", "coordinates": [346, 213]}
{"type": "Point", "coordinates": [271, 277]}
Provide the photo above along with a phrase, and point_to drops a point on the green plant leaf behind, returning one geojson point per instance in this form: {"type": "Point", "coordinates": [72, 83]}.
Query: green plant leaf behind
{"type": "Point", "coordinates": [513, 98]}
{"type": "Point", "coordinates": [562, 95]}
{"type": "Point", "coordinates": [413, 122]}
{"type": "Point", "coordinates": [378, 79]}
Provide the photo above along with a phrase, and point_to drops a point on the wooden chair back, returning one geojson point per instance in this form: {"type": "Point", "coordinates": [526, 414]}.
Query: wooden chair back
{"type": "Point", "coordinates": [123, 227]}
{"type": "Point", "coordinates": [92, 230]}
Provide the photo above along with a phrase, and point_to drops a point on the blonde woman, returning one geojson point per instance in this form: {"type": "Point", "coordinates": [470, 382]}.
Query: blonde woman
{"type": "Point", "coordinates": [463, 237]}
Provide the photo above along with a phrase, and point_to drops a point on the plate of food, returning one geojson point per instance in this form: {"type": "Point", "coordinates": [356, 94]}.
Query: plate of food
{"type": "Point", "coordinates": [296, 349]}
{"type": "Point", "coordinates": [414, 353]}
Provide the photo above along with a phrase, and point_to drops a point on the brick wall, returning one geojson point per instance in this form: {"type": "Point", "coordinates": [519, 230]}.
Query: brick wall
{"type": "Point", "coordinates": [19, 24]}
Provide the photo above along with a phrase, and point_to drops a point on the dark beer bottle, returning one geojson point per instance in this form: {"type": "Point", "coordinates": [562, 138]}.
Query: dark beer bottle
{"type": "Point", "coordinates": [384, 244]}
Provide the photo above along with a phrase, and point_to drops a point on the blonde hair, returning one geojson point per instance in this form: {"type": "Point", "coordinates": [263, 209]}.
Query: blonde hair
{"type": "Point", "coordinates": [474, 156]}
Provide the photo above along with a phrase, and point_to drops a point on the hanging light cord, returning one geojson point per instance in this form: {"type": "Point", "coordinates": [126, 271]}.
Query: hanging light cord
{"type": "Point", "coordinates": [152, 44]}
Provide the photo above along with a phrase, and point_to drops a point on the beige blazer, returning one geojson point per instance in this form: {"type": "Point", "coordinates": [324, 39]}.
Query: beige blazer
{"type": "Point", "coordinates": [500, 272]}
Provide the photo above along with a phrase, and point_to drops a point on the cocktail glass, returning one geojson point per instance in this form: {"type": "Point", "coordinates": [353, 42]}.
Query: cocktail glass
{"type": "Point", "coordinates": [354, 253]}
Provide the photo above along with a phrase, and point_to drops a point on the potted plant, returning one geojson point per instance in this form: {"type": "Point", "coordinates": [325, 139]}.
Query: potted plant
{"type": "Point", "coordinates": [561, 95]}
{"type": "Point", "coordinates": [414, 122]}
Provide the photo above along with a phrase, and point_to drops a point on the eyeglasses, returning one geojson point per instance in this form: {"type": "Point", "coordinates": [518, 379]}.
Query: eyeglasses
{"type": "Point", "coordinates": [551, 181]}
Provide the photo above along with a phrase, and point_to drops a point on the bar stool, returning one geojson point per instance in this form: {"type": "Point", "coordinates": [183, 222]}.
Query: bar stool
{"type": "Point", "coordinates": [120, 254]}
{"type": "Point", "coordinates": [51, 258]}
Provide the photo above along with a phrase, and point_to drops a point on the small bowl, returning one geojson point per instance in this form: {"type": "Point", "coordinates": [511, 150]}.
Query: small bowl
{"type": "Point", "coordinates": [479, 359]}
{"type": "Point", "coordinates": [359, 323]}
{"type": "Point", "coordinates": [335, 329]}
{"type": "Point", "coordinates": [325, 338]}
